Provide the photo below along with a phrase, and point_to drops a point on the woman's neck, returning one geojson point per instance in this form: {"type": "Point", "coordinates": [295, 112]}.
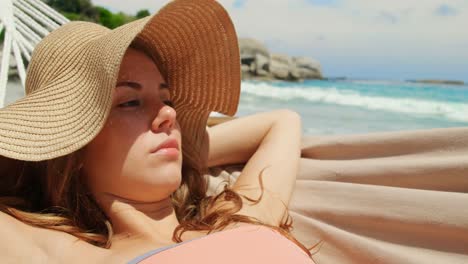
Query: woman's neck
{"type": "Point", "coordinates": [152, 221]}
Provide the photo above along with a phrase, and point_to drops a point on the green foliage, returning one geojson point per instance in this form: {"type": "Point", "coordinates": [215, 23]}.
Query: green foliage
{"type": "Point", "coordinates": [74, 16]}
{"type": "Point", "coordinates": [105, 17]}
{"type": "Point", "coordinates": [122, 18]}
{"type": "Point", "coordinates": [2, 35]}
{"type": "Point", "coordinates": [111, 20]}
{"type": "Point", "coordinates": [75, 9]}
{"type": "Point", "coordinates": [70, 6]}
{"type": "Point", "coordinates": [84, 10]}
{"type": "Point", "coordinates": [142, 13]}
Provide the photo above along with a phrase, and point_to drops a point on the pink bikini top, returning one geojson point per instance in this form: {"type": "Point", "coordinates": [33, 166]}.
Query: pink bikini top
{"type": "Point", "coordinates": [244, 244]}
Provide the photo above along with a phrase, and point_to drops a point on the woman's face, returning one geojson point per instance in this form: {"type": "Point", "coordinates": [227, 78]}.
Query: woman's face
{"type": "Point", "coordinates": [120, 161]}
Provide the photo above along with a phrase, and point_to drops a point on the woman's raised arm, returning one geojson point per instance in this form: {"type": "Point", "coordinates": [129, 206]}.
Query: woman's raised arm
{"type": "Point", "coordinates": [270, 144]}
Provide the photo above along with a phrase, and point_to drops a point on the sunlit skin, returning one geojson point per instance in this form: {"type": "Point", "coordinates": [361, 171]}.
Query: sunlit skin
{"type": "Point", "coordinates": [131, 184]}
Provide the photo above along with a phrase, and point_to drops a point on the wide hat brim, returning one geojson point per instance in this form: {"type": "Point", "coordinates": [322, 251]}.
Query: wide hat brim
{"type": "Point", "coordinates": [74, 69]}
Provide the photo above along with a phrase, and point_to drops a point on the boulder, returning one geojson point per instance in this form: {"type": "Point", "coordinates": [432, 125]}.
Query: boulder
{"type": "Point", "coordinates": [261, 65]}
{"type": "Point", "coordinates": [245, 72]}
{"type": "Point", "coordinates": [308, 68]}
{"type": "Point", "coordinates": [257, 62]}
{"type": "Point", "coordinates": [282, 67]}
{"type": "Point", "coordinates": [249, 47]}
{"type": "Point", "coordinates": [255, 55]}
{"type": "Point", "coordinates": [245, 68]}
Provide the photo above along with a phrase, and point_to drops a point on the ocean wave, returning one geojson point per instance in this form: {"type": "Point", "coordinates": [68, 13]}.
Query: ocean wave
{"type": "Point", "coordinates": [414, 106]}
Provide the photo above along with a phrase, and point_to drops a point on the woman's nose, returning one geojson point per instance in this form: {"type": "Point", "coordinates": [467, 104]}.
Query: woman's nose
{"type": "Point", "coordinates": [164, 120]}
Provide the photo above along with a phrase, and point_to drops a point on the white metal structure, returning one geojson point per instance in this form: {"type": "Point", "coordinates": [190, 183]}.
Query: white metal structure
{"type": "Point", "coordinates": [25, 23]}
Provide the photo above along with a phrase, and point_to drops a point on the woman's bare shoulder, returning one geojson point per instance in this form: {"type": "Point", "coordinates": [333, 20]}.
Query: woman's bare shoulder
{"type": "Point", "coordinates": [22, 243]}
{"type": "Point", "coordinates": [17, 244]}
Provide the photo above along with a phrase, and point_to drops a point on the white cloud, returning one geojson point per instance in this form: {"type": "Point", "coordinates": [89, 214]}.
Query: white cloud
{"type": "Point", "coordinates": [351, 32]}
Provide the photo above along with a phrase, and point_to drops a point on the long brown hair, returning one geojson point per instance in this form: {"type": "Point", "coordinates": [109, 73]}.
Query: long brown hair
{"type": "Point", "coordinates": [51, 194]}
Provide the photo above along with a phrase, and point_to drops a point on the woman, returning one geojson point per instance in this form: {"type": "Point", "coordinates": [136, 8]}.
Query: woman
{"type": "Point", "coordinates": [103, 159]}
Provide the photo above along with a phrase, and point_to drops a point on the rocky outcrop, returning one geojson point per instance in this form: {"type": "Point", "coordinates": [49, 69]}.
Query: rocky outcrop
{"type": "Point", "coordinates": [255, 58]}
{"type": "Point", "coordinates": [450, 82]}
{"type": "Point", "coordinates": [308, 68]}
{"type": "Point", "coordinates": [283, 67]}
{"type": "Point", "coordinates": [259, 63]}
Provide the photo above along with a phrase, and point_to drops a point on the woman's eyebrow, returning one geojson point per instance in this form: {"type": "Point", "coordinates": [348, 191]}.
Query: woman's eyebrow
{"type": "Point", "coordinates": [137, 86]}
{"type": "Point", "coordinates": [130, 84]}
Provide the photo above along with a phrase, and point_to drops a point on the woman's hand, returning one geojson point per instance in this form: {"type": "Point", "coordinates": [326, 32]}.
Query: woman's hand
{"type": "Point", "coordinates": [269, 141]}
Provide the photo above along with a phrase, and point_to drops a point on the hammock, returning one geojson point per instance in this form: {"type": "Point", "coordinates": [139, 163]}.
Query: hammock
{"type": "Point", "coordinates": [387, 197]}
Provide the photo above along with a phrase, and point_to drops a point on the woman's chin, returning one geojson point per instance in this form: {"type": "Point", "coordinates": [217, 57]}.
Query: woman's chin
{"type": "Point", "coordinates": [162, 184]}
{"type": "Point", "coordinates": [151, 191]}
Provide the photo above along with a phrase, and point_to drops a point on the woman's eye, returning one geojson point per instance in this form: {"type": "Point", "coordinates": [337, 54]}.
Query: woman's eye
{"type": "Point", "coordinates": [169, 103]}
{"type": "Point", "coordinates": [130, 103]}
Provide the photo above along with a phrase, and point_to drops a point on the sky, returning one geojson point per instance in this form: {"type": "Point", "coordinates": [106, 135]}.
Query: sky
{"type": "Point", "coordinates": [370, 39]}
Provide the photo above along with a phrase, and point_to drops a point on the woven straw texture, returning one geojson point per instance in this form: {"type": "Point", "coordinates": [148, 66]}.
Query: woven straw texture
{"type": "Point", "coordinates": [73, 72]}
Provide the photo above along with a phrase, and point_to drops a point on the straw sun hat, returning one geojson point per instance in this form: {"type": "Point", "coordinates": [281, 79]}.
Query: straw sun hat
{"type": "Point", "coordinates": [73, 72]}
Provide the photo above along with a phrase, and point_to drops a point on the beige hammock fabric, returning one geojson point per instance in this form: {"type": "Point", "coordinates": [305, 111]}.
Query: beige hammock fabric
{"type": "Point", "coordinates": [387, 197]}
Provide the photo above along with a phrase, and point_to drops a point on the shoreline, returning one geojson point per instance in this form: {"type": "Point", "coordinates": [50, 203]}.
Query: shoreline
{"type": "Point", "coordinates": [333, 79]}
{"type": "Point", "coordinates": [435, 81]}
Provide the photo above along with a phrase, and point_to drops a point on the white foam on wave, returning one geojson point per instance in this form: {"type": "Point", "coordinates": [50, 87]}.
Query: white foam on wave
{"type": "Point", "coordinates": [448, 110]}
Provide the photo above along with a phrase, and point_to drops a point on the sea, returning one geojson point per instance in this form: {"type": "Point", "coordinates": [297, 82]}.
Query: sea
{"type": "Point", "coordinates": [360, 106]}
{"type": "Point", "coordinates": [349, 106]}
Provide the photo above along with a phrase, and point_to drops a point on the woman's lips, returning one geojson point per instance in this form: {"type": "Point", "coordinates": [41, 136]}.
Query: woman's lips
{"type": "Point", "coordinates": [168, 152]}
{"type": "Point", "coordinates": [169, 147]}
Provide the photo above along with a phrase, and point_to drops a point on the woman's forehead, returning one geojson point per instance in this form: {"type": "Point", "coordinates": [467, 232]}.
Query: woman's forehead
{"type": "Point", "coordinates": [136, 63]}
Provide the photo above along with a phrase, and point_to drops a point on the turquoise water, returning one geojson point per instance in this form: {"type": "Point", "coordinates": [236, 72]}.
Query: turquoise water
{"type": "Point", "coordinates": [360, 106]}
{"type": "Point", "coordinates": [352, 106]}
